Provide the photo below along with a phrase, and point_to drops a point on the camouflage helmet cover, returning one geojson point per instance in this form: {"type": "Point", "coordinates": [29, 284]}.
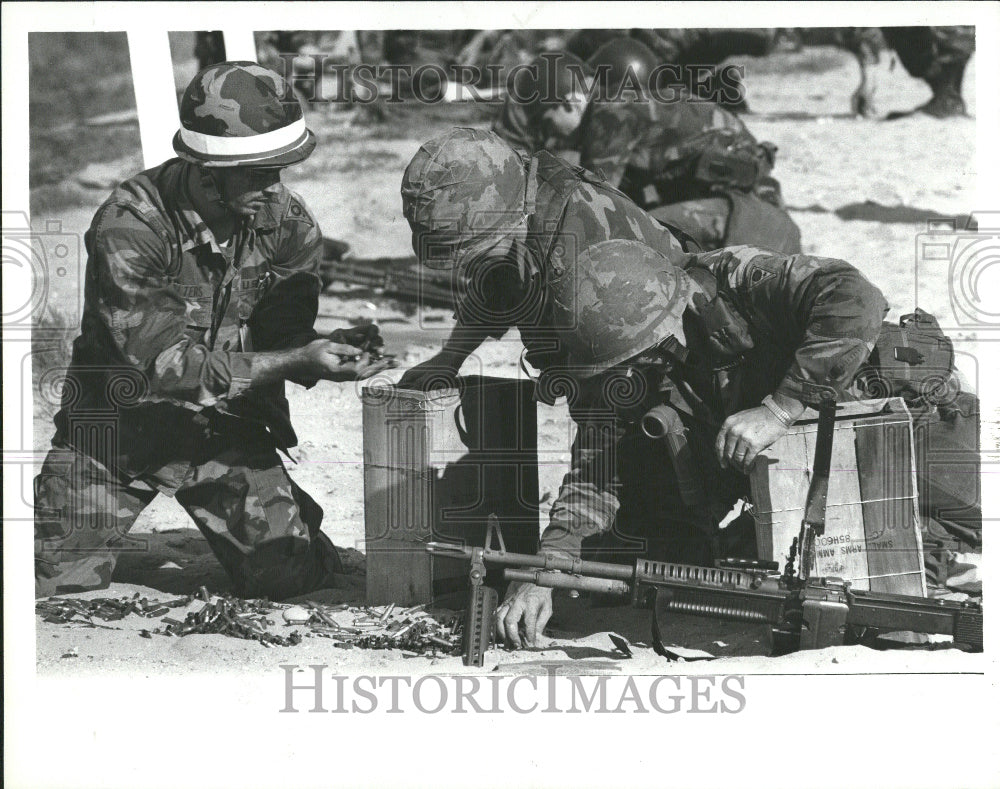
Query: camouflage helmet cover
{"type": "Point", "coordinates": [463, 191]}
{"type": "Point", "coordinates": [239, 113]}
{"type": "Point", "coordinates": [621, 298]}
{"type": "Point", "coordinates": [619, 56]}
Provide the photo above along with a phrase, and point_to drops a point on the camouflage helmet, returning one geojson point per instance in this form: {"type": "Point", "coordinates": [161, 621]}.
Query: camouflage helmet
{"type": "Point", "coordinates": [621, 298]}
{"type": "Point", "coordinates": [547, 81]}
{"type": "Point", "coordinates": [241, 114]}
{"type": "Point", "coordinates": [462, 192]}
{"type": "Point", "coordinates": [619, 56]}
{"type": "Point", "coordinates": [584, 43]}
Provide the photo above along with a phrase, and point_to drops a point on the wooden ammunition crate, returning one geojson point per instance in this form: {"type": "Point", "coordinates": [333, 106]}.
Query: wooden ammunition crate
{"type": "Point", "coordinates": [872, 535]}
{"type": "Point", "coordinates": [436, 465]}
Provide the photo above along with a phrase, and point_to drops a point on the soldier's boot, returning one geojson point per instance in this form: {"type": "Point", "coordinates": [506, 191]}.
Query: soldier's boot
{"type": "Point", "coordinates": [947, 101]}
{"type": "Point", "coordinates": [275, 573]}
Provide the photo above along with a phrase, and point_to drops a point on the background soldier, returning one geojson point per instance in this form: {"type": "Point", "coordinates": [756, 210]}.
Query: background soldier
{"type": "Point", "coordinates": [690, 162]}
{"type": "Point", "coordinates": [688, 48]}
{"type": "Point", "coordinates": [734, 348]}
{"type": "Point", "coordinates": [201, 293]}
{"type": "Point", "coordinates": [545, 104]}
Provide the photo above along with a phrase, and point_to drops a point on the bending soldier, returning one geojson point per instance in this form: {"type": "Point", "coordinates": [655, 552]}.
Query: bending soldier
{"type": "Point", "coordinates": [201, 293]}
{"type": "Point", "coordinates": [732, 344]}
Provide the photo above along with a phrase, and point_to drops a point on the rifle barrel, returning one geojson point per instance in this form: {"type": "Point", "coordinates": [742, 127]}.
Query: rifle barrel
{"type": "Point", "coordinates": [580, 583]}
{"type": "Point", "coordinates": [621, 572]}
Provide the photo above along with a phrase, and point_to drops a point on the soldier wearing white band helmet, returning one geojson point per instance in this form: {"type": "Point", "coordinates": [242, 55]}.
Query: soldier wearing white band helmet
{"type": "Point", "coordinates": [202, 290]}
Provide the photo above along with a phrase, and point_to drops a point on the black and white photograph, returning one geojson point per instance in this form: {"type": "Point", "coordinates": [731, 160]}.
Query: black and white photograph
{"type": "Point", "coordinates": [373, 395]}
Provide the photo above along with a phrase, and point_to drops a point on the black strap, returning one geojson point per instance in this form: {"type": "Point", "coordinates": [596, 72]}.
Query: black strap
{"type": "Point", "coordinates": [814, 521]}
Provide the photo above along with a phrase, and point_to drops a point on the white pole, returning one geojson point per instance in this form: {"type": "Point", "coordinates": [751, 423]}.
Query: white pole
{"type": "Point", "coordinates": [240, 45]}
{"type": "Point", "coordinates": [155, 93]}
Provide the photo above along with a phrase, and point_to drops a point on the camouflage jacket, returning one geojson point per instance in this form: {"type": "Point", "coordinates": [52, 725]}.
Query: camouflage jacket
{"type": "Point", "coordinates": [171, 322]}
{"type": "Point", "coordinates": [650, 143]}
{"type": "Point", "coordinates": [813, 322]}
{"type": "Point", "coordinates": [573, 210]}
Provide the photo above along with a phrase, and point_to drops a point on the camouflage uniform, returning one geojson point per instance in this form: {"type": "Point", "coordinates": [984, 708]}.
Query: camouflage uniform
{"type": "Point", "coordinates": [514, 125]}
{"type": "Point", "coordinates": [654, 152]}
{"type": "Point", "coordinates": [650, 149]}
{"type": "Point", "coordinates": [157, 395]}
{"type": "Point", "coordinates": [812, 322]}
{"type": "Point", "coordinates": [518, 129]}
{"type": "Point", "coordinates": [547, 80]}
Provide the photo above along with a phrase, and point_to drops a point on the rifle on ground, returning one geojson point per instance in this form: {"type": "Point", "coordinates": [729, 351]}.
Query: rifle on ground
{"type": "Point", "coordinates": [401, 277]}
{"type": "Point", "coordinates": [804, 614]}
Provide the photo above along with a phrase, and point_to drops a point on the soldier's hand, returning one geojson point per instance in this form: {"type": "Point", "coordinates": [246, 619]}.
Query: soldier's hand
{"type": "Point", "coordinates": [339, 362]}
{"type": "Point", "coordinates": [365, 337]}
{"type": "Point", "coordinates": [438, 372]}
{"type": "Point", "coordinates": [745, 435]}
{"type": "Point", "coordinates": [525, 603]}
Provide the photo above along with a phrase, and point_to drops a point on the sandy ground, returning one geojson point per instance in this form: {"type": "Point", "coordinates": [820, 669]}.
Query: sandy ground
{"type": "Point", "coordinates": [870, 170]}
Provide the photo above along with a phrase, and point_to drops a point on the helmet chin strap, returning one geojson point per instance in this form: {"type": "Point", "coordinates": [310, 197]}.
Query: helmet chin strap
{"type": "Point", "coordinates": [210, 183]}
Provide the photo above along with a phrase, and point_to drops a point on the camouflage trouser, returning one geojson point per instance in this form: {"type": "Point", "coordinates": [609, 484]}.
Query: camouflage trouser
{"type": "Point", "coordinates": [261, 526]}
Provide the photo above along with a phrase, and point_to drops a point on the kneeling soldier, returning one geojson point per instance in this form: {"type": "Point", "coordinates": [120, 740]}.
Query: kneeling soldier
{"type": "Point", "coordinates": [201, 294]}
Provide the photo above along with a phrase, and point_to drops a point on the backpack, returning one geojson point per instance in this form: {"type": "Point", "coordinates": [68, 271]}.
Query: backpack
{"type": "Point", "coordinates": [913, 360]}
{"type": "Point", "coordinates": [916, 361]}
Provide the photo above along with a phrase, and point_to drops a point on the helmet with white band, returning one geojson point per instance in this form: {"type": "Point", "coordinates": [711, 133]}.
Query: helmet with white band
{"type": "Point", "coordinates": [240, 114]}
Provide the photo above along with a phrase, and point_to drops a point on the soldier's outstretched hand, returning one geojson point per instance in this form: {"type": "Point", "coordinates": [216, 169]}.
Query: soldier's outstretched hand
{"type": "Point", "coordinates": [438, 372]}
{"type": "Point", "coordinates": [525, 603]}
{"type": "Point", "coordinates": [334, 361]}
